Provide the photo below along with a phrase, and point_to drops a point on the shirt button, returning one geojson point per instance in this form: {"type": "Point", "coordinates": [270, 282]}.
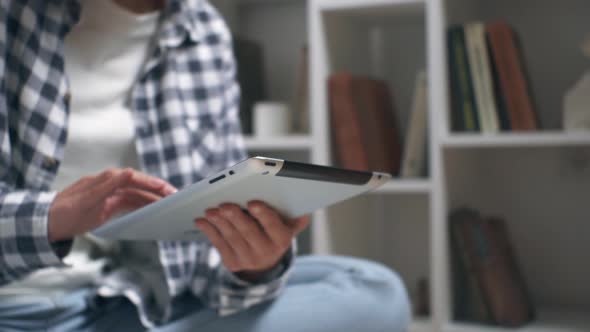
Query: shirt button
{"type": "Point", "coordinates": [49, 163]}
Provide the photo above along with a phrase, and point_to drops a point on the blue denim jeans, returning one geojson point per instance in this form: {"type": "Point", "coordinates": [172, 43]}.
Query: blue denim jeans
{"type": "Point", "coordinates": [324, 294]}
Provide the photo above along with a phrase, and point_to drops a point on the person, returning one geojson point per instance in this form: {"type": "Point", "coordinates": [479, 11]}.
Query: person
{"type": "Point", "coordinates": [109, 105]}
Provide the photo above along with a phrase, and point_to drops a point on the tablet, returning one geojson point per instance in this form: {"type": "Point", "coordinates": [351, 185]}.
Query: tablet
{"type": "Point", "coordinates": [292, 188]}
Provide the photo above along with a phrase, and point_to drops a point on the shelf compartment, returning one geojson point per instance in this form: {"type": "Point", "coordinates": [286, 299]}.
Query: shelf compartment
{"type": "Point", "coordinates": [530, 22]}
{"type": "Point", "coordinates": [377, 39]}
{"type": "Point", "coordinates": [533, 139]}
{"type": "Point", "coordinates": [391, 230]}
{"type": "Point", "coordinates": [542, 194]}
{"type": "Point", "coordinates": [294, 142]}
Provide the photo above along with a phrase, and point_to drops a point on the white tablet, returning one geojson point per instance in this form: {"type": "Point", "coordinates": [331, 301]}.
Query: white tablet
{"type": "Point", "coordinates": [293, 188]}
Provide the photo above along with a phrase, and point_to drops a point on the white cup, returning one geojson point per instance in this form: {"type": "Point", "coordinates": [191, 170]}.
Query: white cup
{"type": "Point", "coordinates": [271, 119]}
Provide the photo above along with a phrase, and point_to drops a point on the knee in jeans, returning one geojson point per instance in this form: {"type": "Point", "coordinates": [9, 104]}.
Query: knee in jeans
{"type": "Point", "coordinates": [387, 296]}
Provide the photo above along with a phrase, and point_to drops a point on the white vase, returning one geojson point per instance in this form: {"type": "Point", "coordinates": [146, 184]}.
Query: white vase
{"type": "Point", "coordinates": [576, 105]}
{"type": "Point", "coordinates": [271, 119]}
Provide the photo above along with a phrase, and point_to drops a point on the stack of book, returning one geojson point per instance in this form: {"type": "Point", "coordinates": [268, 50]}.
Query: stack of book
{"type": "Point", "coordinates": [490, 91]}
{"type": "Point", "coordinates": [488, 286]}
{"type": "Point", "coordinates": [364, 126]}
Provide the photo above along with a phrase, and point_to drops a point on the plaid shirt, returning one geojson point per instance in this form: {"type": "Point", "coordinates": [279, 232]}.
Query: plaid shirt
{"type": "Point", "coordinates": [184, 104]}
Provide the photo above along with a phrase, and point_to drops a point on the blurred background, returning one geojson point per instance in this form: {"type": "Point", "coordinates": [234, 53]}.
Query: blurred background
{"type": "Point", "coordinates": [481, 110]}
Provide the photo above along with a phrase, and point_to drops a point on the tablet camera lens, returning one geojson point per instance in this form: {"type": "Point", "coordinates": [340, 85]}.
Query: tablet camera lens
{"type": "Point", "coordinates": [232, 172]}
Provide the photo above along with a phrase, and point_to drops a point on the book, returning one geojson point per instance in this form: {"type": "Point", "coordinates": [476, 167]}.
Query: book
{"type": "Point", "coordinates": [469, 303]}
{"type": "Point", "coordinates": [250, 76]}
{"type": "Point", "coordinates": [363, 123]}
{"type": "Point", "coordinates": [300, 102]}
{"type": "Point", "coordinates": [503, 116]}
{"type": "Point", "coordinates": [492, 288]}
{"type": "Point", "coordinates": [510, 302]}
{"type": "Point", "coordinates": [414, 160]}
{"type": "Point", "coordinates": [514, 89]}
{"type": "Point", "coordinates": [477, 53]}
{"type": "Point", "coordinates": [463, 108]}
{"type": "Point", "coordinates": [422, 298]}
{"type": "Point", "coordinates": [377, 120]}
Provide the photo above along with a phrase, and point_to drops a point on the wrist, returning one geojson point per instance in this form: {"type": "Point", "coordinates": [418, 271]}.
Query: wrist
{"type": "Point", "coordinates": [62, 248]}
{"type": "Point", "coordinates": [265, 274]}
{"type": "Point", "coordinates": [53, 234]}
{"type": "Point", "coordinates": [255, 276]}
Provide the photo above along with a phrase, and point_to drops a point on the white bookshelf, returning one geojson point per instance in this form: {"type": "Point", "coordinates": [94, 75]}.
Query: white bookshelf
{"type": "Point", "coordinates": [538, 181]}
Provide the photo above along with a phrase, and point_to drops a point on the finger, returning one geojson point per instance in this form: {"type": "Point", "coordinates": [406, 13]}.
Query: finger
{"type": "Point", "coordinates": [151, 183]}
{"type": "Point", "coordinates": [249, 228]}
{"type": "Point", "coordinates": [98, 191]}
{"type": "Point", "coordinates": [129, 178]}
{"type": "Point", "coordinates": [227, 253]}
{"type": "Point", "coordinates": [144, 195]}
{"type": "Point", "coordinates": [279, 233]}
{"type": "Point", "coordinates": [120, 203]}
{"type": "Point", "coordinates": [299, 224]}
{"type": "Point", "coordinates": [233, 237]}
{"type": "Point", "coordinates": [90, 181]}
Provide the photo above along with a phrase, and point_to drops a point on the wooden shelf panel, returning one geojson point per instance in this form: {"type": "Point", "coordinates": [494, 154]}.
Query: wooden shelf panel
{"type": "Point", "coordinates": [332, 5]}
{"type": "Point", "coordinates": [269, 2]}
{"type": "Point", "coordinates": [405, 186]}
{"type": "Point", "coordinates": [421, 324]}
{"type": "Point", "coordinates": [547, 321]}
{"type": "Point", "coordinates": [290, 143]}
{"type": "Point", "coordinates": [536, 139]}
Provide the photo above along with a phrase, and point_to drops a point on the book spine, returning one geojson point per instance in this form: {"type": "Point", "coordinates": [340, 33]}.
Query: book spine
{"type": "Point", "coordinates": [475, 308]}
{"type": "Point", "coordinates": [501, 102]}
{"type": "Point", "coordinates": [464, 85]}
{"type": "Point", "coordinates": [480, 69]}
{"type": "Point", "coordinates": [389, 155]}
{"type": "Point", "coordinates": [345, 123]}
{"type": "Point", "coordinates": [414, 152]}
{"type": "Point", "coordinates": [511, 74]}
{"type": "Point", "coordinates": [511, 304]}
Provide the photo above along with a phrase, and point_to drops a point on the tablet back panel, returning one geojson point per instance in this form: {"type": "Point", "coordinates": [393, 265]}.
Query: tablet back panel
{"type": "Point", "coordinates": [294, 189]}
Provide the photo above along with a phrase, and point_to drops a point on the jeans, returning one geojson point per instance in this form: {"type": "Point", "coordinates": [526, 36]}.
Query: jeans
{"type": "Point", "coordinates": [324, 294]}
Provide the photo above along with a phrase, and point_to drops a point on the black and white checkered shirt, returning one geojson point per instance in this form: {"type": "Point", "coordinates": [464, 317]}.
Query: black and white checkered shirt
{"type": "Point", "coordinates": [184, 105]}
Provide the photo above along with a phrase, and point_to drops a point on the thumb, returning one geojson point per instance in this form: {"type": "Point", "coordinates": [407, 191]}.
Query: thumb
{"type": "Point", "coordinates": [300, 224]}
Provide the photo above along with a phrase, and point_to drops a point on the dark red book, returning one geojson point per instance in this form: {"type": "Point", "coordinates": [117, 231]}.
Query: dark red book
{"type": "Point", "coordinates": [510, 302]}
{"type": "Point", "coordinates": [514, 89]}
{"type": "Point", "coordinates": [363, 124]}
{"type": "Point", "coordinates": [491, 259]}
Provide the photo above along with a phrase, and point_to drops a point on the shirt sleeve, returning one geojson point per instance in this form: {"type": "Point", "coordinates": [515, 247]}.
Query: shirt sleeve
{"type": "Point", "coordinates": [24, 244]}
{"type": "Point", "coordinates": [225, 291]}
{"type": "Point", "coordinates": [197, 265]}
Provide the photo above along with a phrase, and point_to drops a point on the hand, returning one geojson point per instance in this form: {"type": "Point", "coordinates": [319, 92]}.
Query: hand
{"type": "Point", "coordinates": [250, 243]}
{"type": "Point", "coordinates": [92, 200]}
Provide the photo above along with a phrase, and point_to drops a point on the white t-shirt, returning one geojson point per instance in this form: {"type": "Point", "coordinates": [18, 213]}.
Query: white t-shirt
{"type": "Point", "coordinates": [104, 55]}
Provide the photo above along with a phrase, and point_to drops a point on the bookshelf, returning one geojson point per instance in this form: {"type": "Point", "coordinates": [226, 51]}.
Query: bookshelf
{"type": "Point", "coordinates": [538, 181]}
{"type": "Point", "coordinates": [386, 40]}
